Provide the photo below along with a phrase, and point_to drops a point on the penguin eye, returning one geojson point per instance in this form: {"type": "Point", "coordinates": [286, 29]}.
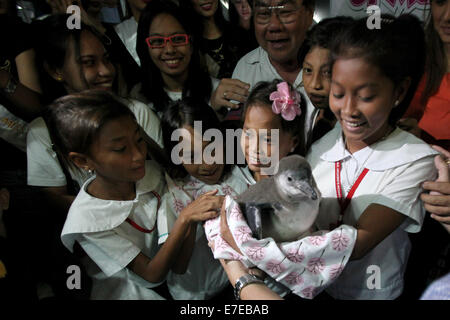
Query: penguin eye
{"type": "Point", "coordinates": [289, 179]}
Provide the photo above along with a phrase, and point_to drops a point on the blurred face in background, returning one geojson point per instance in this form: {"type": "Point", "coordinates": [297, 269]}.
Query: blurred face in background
{"type": "Point", "coordinates": [440, 10]}
{"type": "Point", "coordinates": [205, 8]}
{"type": "Point", "coordinates": [243, 9]}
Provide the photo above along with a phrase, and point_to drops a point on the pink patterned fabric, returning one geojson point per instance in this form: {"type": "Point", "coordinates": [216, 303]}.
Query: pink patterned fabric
{"type": "Point", "coordinates": [305, 266]}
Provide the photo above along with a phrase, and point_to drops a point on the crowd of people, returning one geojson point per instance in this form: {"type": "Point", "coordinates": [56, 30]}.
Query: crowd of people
{"type": "Point", "coordinates": [92, 176]}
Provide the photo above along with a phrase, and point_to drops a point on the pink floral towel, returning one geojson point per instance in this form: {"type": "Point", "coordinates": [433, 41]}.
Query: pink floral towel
{"type": "Point", "coordinates": [305, 266]}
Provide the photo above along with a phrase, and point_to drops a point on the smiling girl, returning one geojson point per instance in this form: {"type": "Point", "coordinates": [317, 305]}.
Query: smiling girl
{"type": "Point", "coordinates": [71, 61]}
{"type": "Point", "coordinates": [170, 58]}
{"type": "Point", "coordinates": [376, 167]}
{"type": "Point", "coordinates": [204, 278]}
{"type": "Point", "coordinates": [113, 218]}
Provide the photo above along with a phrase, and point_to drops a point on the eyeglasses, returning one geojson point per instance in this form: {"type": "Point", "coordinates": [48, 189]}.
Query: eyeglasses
{"type": "Point", "coordinates": [160, 42]}
{"type": "Point", "coordinates": [285, 13]}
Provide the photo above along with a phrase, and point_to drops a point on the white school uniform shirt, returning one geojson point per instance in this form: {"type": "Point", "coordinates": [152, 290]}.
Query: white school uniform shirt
{"type": "Point", "coordinates": [127, 32]}
{"type": "Point", "coordinates": [255, 66]}
{"type": "Point", "coordinates": [204, 277]}
{"type": "Point", "coordinates": [398, 165]}
{"type": "Point", "coordinates": [111, 242]}
{"type": "Point", "coordinates": [43, 166]}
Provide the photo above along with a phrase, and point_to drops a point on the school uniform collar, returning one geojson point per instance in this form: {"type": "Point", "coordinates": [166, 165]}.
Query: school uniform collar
{"type": "Point", "coordinates": [90, 214]}
{"type": "Point", "coordinates": [397, 149]}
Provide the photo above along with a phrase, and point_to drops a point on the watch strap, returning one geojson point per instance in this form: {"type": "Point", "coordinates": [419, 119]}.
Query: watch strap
{"type": "Point", "coordinates": [242, 282]}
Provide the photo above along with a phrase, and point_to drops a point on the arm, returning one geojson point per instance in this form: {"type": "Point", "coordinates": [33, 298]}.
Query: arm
{"type": "Point", "coordinates": [60, 6]}
{"type": "Point", "coordinates": [27, 102]}
{"type": "Point", "coordinates": [375, 224]}
{"type": "Point", "coordinates": [184, 257]}
{"type": "Point", "coordinates": [26, 69]}
{"type": "Point", "coordinates": [155, 269]}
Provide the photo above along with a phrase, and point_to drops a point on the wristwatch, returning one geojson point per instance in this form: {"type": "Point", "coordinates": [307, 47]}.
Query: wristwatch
{"type": "Point", "coordinates": [242, 282]}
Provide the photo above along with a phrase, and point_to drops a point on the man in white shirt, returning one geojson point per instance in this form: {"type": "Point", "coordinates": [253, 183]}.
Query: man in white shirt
{"type": "Point", "coordinates": [280, 29]}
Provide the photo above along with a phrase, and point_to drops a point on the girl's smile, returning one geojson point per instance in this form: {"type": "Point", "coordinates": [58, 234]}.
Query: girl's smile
{"type": "Point", "coordinates": [362, 99]}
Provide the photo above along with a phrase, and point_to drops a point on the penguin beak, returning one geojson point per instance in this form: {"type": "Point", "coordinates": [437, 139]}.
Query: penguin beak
{"type": "Point", "coordinates": [307, 189]}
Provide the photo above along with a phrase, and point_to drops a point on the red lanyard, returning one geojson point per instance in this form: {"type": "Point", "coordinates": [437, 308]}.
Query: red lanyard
{"type": "Point", "coordinates": [138, 227]}
{"type": "Point", "coordinates": [343, 203]}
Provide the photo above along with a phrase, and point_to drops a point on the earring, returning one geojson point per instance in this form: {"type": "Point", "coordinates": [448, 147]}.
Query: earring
{"type": "Point", "coordinates": [59, 78]}
{"type": "Point", "coordinates": [88, 170]}
{"type": "Point", "coordinates": [397, 102]}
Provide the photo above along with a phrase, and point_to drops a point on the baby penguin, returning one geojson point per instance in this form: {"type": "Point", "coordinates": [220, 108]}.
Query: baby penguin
{"type": "Point", "coordinates": [284, 206]}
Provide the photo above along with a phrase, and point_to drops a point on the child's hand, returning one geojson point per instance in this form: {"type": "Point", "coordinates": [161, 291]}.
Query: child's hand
{"type": "Point", "coordinates": [206, 207]}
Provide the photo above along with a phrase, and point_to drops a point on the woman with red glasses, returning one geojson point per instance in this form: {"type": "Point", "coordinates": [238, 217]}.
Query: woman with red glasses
{"type": "Point", "coordinates": [170, 60]}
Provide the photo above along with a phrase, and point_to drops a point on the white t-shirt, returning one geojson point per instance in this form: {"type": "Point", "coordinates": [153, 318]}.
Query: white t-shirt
{"type": "Point", "coordinates": [204, 277]}
{"type": "Point", "coordinates": [44, 169]}
{"type": "Point", "coordinates": [127, 32]}
{"type": "Point", "coordinates": [111, 241]}
{"type": "Point", "coordinates": [398, 165]}
{"type": "Point", "coordinates": [255, 66]}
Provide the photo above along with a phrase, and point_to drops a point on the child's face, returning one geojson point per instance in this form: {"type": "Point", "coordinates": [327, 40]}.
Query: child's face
{"type": "Point", "coordinates": [260, 117]}
{"type": "Point", "coordinates": [172, 61]}
{"type": "Point", "coordinates": [317, 76]}
{"type": "Point", "coordinates": [96, 68]}
{"type": "Point", "coordinates": [361, 99]}
{"type": "Point", "coordinates": [206, 8]}
{"type": "Point", "coordinates": [207, 173]}
{"type": "Point", "coordinates": [118, 153]}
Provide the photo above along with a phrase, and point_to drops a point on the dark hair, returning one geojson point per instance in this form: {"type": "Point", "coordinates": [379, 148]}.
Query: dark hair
{"type": "Point", "coordinates": [321, 34]}
{"type": "Point", "coordinates": [219, 19]}
{"type": "Point", "coordinates": [183, 113]}
{"type": "Point", "coordinates": [198, 83]}
{"type": "Point", "coordinates": [75, 120]}
{"type": "Point", "coordinates": [436, 63]}
{"type": "Point", "coordinates": [52, 48]}
{"type": "Point", "coordinates": [260, 95]}
{"type": "Point", "coordinates": [397, 49]}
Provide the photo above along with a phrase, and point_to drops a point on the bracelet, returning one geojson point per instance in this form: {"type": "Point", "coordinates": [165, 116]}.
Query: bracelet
{"type": "Point", "coordinates": [242, 282]}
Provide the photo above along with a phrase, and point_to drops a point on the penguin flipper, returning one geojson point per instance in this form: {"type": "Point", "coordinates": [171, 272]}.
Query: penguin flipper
{"type": "Point", "coordinates": [253, 213]}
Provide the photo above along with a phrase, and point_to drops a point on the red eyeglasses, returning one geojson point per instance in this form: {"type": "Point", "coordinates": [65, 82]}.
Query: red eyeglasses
{"type": "Point", "coordinates": [160, 42]}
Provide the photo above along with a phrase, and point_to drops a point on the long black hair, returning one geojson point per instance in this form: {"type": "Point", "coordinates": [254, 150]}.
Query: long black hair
{"type": "Point", "coordinates": [198, 83]}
